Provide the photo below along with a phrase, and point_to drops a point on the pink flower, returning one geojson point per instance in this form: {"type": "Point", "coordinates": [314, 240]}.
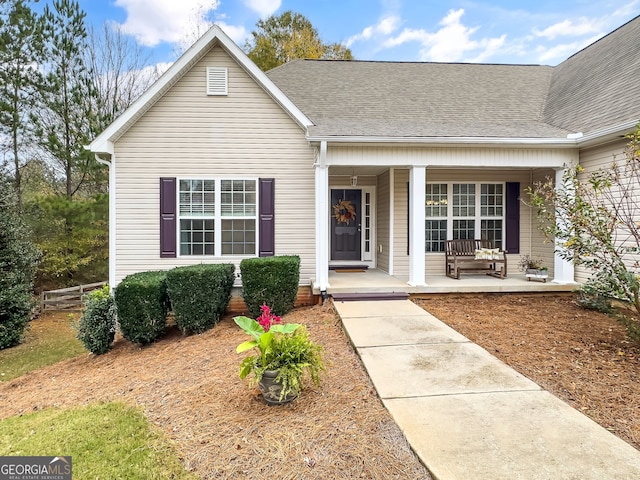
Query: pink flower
{"type": "Point", "coordinates": [266, 318]}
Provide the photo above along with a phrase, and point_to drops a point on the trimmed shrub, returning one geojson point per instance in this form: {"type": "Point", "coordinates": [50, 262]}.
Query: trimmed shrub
{"type": "Point", "coordinates": [97, 326]}
{"type": "Point", "coordinates": [142, 304]}
{"type": "Point", "coordinates": [199, 295]}
{"type": "Point", "coordinates": [18, 262]}
{"type": "Point", "coordinates": [270, 280]}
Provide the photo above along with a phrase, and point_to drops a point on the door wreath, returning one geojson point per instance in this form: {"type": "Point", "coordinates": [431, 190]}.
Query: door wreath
{"type": "Point", "coordinates": [344, 211]}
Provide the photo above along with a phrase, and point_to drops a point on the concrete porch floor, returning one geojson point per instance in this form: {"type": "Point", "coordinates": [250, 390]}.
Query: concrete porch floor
{"type": "Point", "coordinates": [377, 281]}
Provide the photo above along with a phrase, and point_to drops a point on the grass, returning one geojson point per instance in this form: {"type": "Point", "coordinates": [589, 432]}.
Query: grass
{"type": "Point", "coordinates": [110, 440]}
{"type": "Point", "coordinates": [49, 340]}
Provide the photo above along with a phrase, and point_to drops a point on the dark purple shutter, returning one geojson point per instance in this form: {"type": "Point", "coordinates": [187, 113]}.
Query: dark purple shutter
{"type": "Point", "coordinates": [266, 217]}
{"type": "Point", "coordinates": [168, 219]}
{"type": "Point", "coordinates": [512, 223]}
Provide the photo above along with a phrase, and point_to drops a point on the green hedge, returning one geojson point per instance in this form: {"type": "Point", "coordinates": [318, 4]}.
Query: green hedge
{"type": "Point", "coordinates": [199, 295]}
{"type": "Point", "coordinates": [97, 326]}
{"type": "Point", "coordinates": [142, 304]}
{"type": "Point", "coordinates": [270, 280]}
{"type": "Point", "coordinates": [18, 263]}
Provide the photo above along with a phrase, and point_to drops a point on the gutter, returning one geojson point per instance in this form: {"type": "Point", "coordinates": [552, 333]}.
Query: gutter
{"type": "Point", "coordinates": [112, 218]}
{"type": "Point", "coordinates": [572, 140]}
{"type": "Point", "coordinates": [568, 142]}
{"type": "Point", "coordinates": [613, 132]}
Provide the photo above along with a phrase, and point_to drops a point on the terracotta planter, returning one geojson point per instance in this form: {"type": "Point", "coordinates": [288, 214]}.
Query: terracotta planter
{"type": "Point", "coordinates": [271, 389]}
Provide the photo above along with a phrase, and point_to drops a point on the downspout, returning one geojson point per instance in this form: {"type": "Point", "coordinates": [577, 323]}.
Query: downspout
{"type": "Point", "coordinates": [112, 218]}
{"type": "Point", "coordinates": [530, 215]}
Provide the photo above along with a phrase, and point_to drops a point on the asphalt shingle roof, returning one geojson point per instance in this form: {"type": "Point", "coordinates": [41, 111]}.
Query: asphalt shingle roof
{"type": "Point", "coordinates": [594, 88]}
{"type": "Point", "coordinates": [397, 99]}
{"type": "Point", "coordinates": [600, 85]}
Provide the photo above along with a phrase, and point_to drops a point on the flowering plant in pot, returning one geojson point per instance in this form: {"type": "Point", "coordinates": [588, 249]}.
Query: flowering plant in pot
{"type": "Point", "coordinates": [284, 353]}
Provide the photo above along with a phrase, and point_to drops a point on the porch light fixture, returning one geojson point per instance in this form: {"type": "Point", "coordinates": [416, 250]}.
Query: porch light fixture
{"type": "Point", "coordinates": [354, 180]}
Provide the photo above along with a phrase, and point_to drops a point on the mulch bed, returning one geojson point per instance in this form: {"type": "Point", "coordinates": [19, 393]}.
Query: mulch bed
{"type": "Point", "coordinates": [581, 356]}
{"type": "Point", "coordinates": [221, 428]}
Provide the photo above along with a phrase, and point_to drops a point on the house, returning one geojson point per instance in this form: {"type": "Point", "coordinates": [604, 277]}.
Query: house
{"type": "Point", "coordinates": [356, 162]}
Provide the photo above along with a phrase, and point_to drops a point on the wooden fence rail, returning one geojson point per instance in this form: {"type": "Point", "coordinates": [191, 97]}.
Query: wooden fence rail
{"type": "Point", "coordinates": [71, 298]}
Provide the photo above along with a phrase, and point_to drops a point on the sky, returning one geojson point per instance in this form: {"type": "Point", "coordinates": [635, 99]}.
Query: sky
{"type": "Point", "coordinates": [484, 31]}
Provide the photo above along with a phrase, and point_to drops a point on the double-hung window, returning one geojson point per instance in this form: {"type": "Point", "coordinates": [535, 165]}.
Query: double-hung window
{"type": "Point", "coordinates": [217, 217]}
{"type": "Point", "coordinates": [436, 208]}
{"type": "Point", "coordinates": [463, 211]}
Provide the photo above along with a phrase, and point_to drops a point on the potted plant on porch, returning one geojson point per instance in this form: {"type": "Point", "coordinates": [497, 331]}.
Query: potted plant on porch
{"type": "Point", "coordinates": [284, 355]}
{"type": "Point", "coordinates": [533, 268]}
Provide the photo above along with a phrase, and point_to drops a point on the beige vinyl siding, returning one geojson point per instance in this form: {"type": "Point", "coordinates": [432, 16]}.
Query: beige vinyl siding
{"type": "Point", "coordinates": [188, 134]}
{"type": "Point", "coordinates": [540, 247]}
{"type": "Point", "coordinates": [383, 209]}
{"type": "Point", "coordinates": [344, 181]}
{"type": "Point", "coordinates": [531, 240]}
{"type": "Point", "coordinates": [591, 160]}
{"type": "Point", "coordinates": [401, 224]}
{"type": "Point", "coordinates": [454, 156]}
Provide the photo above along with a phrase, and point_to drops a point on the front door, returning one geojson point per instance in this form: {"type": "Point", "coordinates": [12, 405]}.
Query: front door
{"type": "Point", "coordinates": [346, 224]}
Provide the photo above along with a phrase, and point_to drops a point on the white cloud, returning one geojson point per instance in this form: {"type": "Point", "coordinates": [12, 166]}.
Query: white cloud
{"type": "Point", "coordinates": [263, 7]}
{"type": "Point", "coordinates": [628, 10]}
{"type": "Point", "coordinates": [562, 51]}
{"type": "Point", "coordinates": [154, 21]}
{"type": "Point", "coordinates": [237, 33]}
{"type": "Point", "coordinates": [386, 26]}
{"type": "Point", "coordinates": [489, 48]}
{"type": "Point", "coordinates": [570, 28]}
{"type": "Point", "coordinates": [452, 42]}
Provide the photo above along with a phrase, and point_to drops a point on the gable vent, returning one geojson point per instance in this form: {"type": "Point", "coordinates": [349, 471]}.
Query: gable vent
{"type": "Point", "coordinates": [217, 81]}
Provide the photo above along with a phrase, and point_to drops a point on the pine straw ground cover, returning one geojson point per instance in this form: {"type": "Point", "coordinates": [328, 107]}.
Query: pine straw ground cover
{"type": "Point", "coordinates": [581, 356]}
{"type": "Point", "coordinates": [221, 428]}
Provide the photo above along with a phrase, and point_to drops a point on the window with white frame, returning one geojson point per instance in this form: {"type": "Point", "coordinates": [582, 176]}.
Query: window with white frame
{"type": "Point", "coordinates": [436, 208]}
{"type": "Point", "coordinates": [218, 217]}
{"type": "Point", "coordinates": [463, 211]}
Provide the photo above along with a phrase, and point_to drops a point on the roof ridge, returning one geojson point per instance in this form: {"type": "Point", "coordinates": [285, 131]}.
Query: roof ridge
{"type": "Point", "coordinates": [328, 60]}
{"type": "Point", "coordinates": [602, 38]}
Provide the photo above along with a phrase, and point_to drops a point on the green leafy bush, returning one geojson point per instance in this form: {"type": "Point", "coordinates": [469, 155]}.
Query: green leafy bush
{"type": "Point", "coordinates": [199, 295]}
{"type": "Point", "coordinates": [272, 281]}
{"type": "Point", "coordinates": [142, 304]}
{"type": "Point", "coordinates": [18, 262]}
{"type": "Point", "coordinates": [97, 326]}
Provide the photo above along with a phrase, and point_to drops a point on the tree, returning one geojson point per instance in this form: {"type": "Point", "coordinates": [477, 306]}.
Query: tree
{"type": "Point", "coordinates": [280, 39]}
{"type": "Point", "coordinates": [21, 50]}
{"type": "Point", "coordinates": [67, 121]}
{"type": "Point", "coordinates": [73, 236]}
{"type": "Point", "coordinates": [599, 223]}
{"type": "Point", "coordinates": [18, 262]}
{"type": "Point", "coordinates": [120, 72]}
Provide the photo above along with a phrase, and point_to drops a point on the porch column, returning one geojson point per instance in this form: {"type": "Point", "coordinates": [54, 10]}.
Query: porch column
{"type": "Point", "coordinates": [417, 192]}
{"type": "Point", "coordinates": [563, 271]}
{"type": "Point", "coordinates": [322, 222]}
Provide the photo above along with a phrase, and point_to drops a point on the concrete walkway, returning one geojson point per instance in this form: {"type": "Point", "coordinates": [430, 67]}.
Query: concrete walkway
{"type": "Point", "coordinates": [469, 416]}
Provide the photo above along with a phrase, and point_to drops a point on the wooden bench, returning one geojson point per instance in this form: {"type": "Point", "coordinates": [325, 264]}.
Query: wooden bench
{"type": "Point", "coordinates": [462, 256]}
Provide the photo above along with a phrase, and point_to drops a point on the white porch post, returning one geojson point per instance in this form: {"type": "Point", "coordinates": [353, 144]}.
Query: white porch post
{"type": "Point", "coordinates": [322, 223]}
{"type": "Point", "coordinates": [563, 269]}
{"type": "Point", "coordinates": [417, 192]}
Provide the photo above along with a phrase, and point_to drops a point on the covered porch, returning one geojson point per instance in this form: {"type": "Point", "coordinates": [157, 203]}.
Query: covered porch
{"type": "Point", "coordinates": [374, 281]}
{"type": "Point", "coordinates": [399, 234]}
